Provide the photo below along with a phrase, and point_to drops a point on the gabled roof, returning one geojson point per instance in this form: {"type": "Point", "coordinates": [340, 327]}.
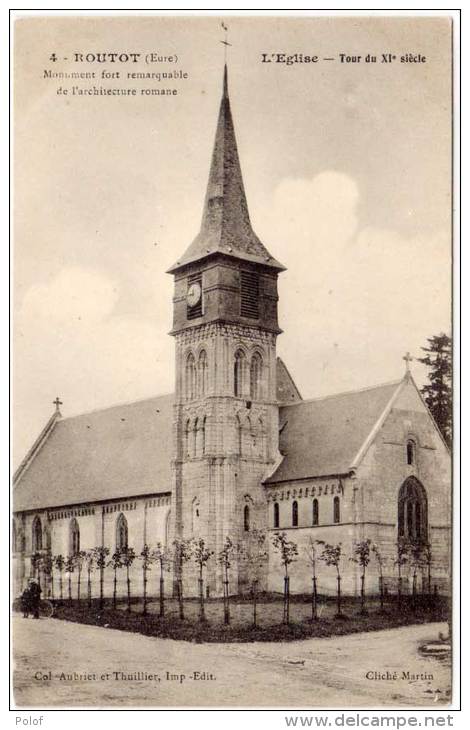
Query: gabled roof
{"type": "Point", "coordinates": [325, 436]}
{"type": "Point", "coordinates": [126, 450]}
{"type": "Point", "coordinates": [37, 445]}
{"type": "Point", "coordinates": [226, 227]}
{"type": "Point", "coordinates": [123, 451]}
{"type": "Point", "coordinates": [286, 389]}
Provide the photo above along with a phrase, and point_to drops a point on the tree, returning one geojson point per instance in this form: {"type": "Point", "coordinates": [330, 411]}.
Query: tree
{"type": "Point", "coordinates": [36, 565]}
{"type": "Point", "coordinates": [254, 554]}
{"type": "Point", "coordinates": [79, 561]}
{"type": "Point", "coordinates": [128, 557]}
{"type": "Point", "coordinates": [90, 565]}
{"type": "Point", "coordinates": [69, 568]}
{"type": "Point", "coordinates": [381, 563]}
{"type": "Point", "coordinates": [331, 556]}
{"type": "Point", "coordinates": [403, 553]}
{"type": "Point", "coordinates": [311, 551]}
{"type": "Point", "coordinates": [427, 559]}
{"type": "Point", "coordinates": [115, 563]}
{"type": "Point", "coordinates": [416, 555]}
{"type": "Point", "coordinates": [101, 553]}
{"type": "Point", "coordinates": [225, 558]}
{"type": "Point", "coordinates": [162, 556]}
{"type": "Point", "coordinates": [59, 563]}
{"type": "Point", "coordinates": [147, 559]}
{"type": "Point", "coordinates": [361, 556]}
{"type": "Point", "coordinates": [288, 551]}
{"type": "Point", "coordinates": [438, 392]}
{"type": "Point", "coordinates": [48, 570]}
{"type": "Point", "coordinates": [183, 551]}
{"type": "Point", "coordinates": [201, 556]}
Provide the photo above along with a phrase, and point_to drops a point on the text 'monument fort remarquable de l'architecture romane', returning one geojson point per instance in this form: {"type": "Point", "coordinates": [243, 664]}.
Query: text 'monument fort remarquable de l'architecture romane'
{"type": "Point", "coordinates": [236, 448]}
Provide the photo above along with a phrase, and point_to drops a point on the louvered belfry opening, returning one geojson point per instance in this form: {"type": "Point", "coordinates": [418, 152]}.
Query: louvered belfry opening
{"type": "Point", "coordinates": [249, 295]}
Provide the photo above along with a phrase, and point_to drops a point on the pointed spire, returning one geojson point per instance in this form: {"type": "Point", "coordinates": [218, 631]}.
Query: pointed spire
{"type": "Point", "coordinates": [225, 206]}
{"type": "Point", "coordinates": [225, 91]}
{"type": "Point", "coordinates": [226, 226]}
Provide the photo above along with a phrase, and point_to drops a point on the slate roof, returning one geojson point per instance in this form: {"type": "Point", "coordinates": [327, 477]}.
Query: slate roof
{"type": "Point", "coordinates": [226, 226]}
{"type": "Point", "coordinates": [126, 450]}
{"type": "Point", "coordinates": [122, 451]}
{"type": "Point", "coordinates": [322, 437]}
{"type": "Point", "coordinates": [286, 389]}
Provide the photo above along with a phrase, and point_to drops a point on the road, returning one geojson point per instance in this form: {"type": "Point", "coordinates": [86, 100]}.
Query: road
{"type": "Point", "coordinates": [310, 673]}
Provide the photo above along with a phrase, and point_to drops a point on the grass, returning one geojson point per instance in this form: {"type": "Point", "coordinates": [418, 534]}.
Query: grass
{"type": "Point", "coordinates": [270, 626]}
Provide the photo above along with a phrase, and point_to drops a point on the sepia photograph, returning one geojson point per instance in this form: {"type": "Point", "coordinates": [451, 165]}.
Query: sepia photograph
{"type": "Point", "coordinates": [232, 362]}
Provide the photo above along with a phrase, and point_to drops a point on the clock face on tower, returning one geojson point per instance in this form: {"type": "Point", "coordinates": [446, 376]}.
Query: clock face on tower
{"type": "Point", "coordinates": [193, 296]}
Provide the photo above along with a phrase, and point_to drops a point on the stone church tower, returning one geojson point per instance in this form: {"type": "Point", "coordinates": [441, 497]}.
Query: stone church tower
{"type": "Point", "coordinates": [226, 419]}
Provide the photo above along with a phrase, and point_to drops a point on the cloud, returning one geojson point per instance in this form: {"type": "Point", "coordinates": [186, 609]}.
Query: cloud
{"type": "Point", "coordinates": [70, 342]}
{"type": "Point", "coordinates": [74, 295]}
{"type": "Point", "coordinates": [353, 299]}
{"type": "Point", "coordinates": [352, 302]}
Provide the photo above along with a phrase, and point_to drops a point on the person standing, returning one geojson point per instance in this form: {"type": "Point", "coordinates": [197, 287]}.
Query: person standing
{"type": "Point", "coordinates": [35, 597]}
{"type": "Point", "coordinates": [26, 601]}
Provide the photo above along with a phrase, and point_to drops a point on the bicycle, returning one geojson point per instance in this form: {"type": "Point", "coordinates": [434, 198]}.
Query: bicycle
{"type": "Point", "coordinates": [46, 607]}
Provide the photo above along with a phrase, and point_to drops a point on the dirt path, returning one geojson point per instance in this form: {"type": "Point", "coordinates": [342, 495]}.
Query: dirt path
{"type": "Point", "coordinates": [310, 673]}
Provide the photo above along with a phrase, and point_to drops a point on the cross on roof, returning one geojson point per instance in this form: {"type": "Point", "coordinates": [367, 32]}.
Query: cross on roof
{"type": "Point", "coordinates": [57, 402]}
{"type": "Point", "coordinates": [407, 358]}
{"type": "Point", "coordinates": [225, 42]}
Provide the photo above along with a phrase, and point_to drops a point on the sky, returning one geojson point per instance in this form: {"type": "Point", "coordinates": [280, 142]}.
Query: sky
{"type": "Point", "coordinates": [347, 170]}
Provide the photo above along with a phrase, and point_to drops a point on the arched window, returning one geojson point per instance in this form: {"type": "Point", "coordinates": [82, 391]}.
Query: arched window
{"type": "Point", "coordinates": [276, 514]}
{"type": "Point", "coordinates": [410, 453]}
{"type": "Point", "coordinates": [202, 372]}
{"type": "Point", "coordinates": [295, 514]}
{"type": "Point", "coordinates": [74, 537]}
{"type": "Point", "coordinates": [413, 511]}
{"type": "Point", "coordinates": [315, 512]}
{"type": "Point", "coordinates": [121, 533]}
{"type": "Point", "coordinates": [246, 518]}
{"type": "Point", "coordinates": [36, 534]}
{"type": "Point", "coordinates": [256, 368]}
{"type": "Point", "coordinates": [190, 377]}
{"type": "Point", "coordinates": [336, 511]}
{"type": "Point", "coordinates": [238, 374]}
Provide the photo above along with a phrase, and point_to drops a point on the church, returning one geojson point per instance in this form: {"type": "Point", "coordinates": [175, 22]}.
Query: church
{"type": "Point", "coordinates": [236, 449]}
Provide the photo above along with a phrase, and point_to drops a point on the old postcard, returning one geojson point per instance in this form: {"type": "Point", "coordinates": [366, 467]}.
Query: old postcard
{"type": "Point", "coordinates": [233, 361]}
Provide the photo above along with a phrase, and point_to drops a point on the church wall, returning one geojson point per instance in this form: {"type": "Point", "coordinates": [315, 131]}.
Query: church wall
{"type": "Point", "coordinates": [383, 471]}
{"type": "Point", "coordinates": [304, 492]}
{"type": "Point", "coordinates": [225, 439]}
{"type": "Point", "coordinates": [215, 494]}
{"type": "Point", "coordinates": [300, 570]}
{"type": "Point", "coordinates": [147, 519]}
{"type": "Point", "coordinates": [221, 286]}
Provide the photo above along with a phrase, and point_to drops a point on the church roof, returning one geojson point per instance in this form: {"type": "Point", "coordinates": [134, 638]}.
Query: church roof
{"type": "Point", "coordinates": [286, 389]}
{"type": "Point", "coordinates": [226, 226]}
{"type": "Point", "coordinates": [123, 451]}
{"type": "Point", "coordinates": [324, 436]}
{"type": "Point", "coordinates": [126, 450]}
